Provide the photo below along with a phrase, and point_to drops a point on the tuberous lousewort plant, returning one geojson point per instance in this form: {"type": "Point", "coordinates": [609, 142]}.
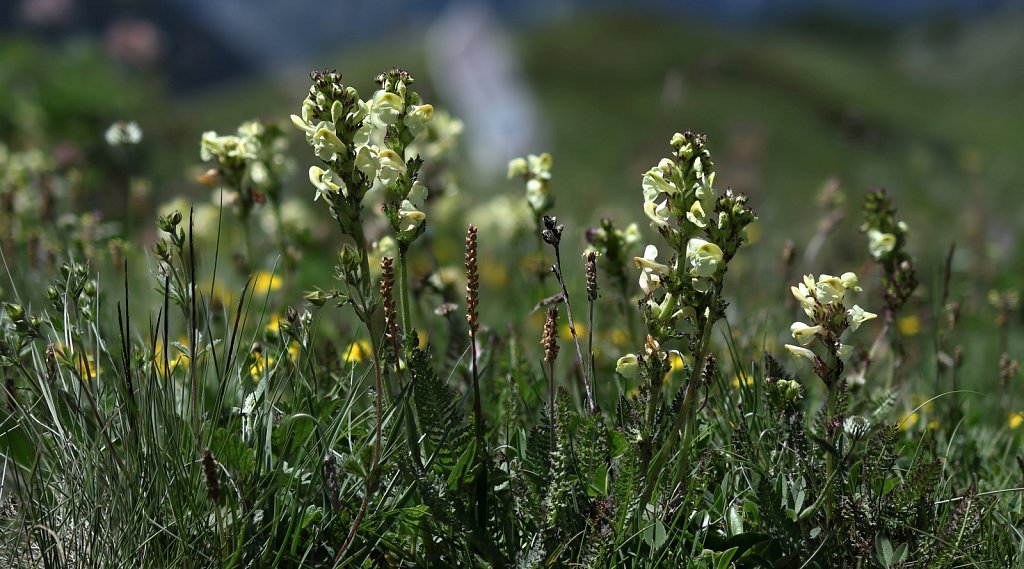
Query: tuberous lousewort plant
{"type": "Point", "coordinates": [887, 243]}
{"type": "Point", "coordinates": [248, 166]}
{"type": "Point", "coordinates": [682, 294]}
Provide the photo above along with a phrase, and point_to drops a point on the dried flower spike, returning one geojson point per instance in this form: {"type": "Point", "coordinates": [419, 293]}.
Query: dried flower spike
{"type": "Point", "coordinates": [550, 337]}
{"type": "Point", "coordinates": [210, 472]}
{"type": "Point", "coordinates": [592, 276]}
{"type": "Point", "coordinates": [472, 281]}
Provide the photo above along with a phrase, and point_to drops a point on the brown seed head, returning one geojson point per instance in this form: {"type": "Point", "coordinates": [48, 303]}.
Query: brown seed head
{"type": "Point", "coordinates": [550, 338]}
{"type": "Point", "coordinates": [472, 281]}
{"type": "Point", "coordinates": [592, 276]}
{"type": "Point", "coordinates": [210, 472]}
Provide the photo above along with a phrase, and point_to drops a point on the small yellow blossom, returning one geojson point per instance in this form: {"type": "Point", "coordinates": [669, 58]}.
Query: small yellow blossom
{"type": "Point", "coordinates": [909, 325]}
{"type": "Point", "coordinates": [357, 351]}
{"type": "Point", "coordinates": [293, 351]}
{"type": "Point", "coordinates": [742, 380]}
{"type": "Point", "coordinates": [1016, 420]}
{"type": "Point", "coordinates": [266, 282]}
{"type": "Point", "coordinates": [566, 333]}
{"type": "Point", "coordinates": [274, 325]}
{"type": "Point", "coordinates": [676, 361]}
{"type": "Point", "coordinates": [180, 359]}
{"type": "Point", "coordinates": [260, 365]}
{"type": "Point", "coordinates": [933, 424]}
{"type": "Point", "coordinates": [908, 421]}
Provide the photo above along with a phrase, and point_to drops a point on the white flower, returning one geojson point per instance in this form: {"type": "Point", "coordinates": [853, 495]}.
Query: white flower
{"type": "Point", "coordinates": [517, 167]}
{"type": "Point", "coordinates": [326, 144]}
{"type": "Point", "coordinates": [845, 351]}
{"type": "Point", "coordinates": [797, 351]}
{"type": "Point", "coordinates": [387, 107]}
{"type": "Point", "coordinates": [658, 213]}
{"type": "Point", "coordinates": [651, 270]}
{"type": "Point", "coordinates": [654, 184]}
{"type": "Point", "coordinates": [417, 117]}
{"type": "Point", "coordinates": [829, 289]}
{"type": "Point", "coordinates": [540, 166]}
{"type": "Point", "coordinates": [704, 257]}
{"type": "Point", "coordinates": [409, 215]}
{"type": "Point", "coordinates": [803, 333]}
{"type": "Point", "coordinates": [537, 194]}
{"type": "Point", "coordinates": [628, 366]}
{"type": "Point", "coordinates": [858, 316]}
{"type": "Point", "coordinates": [123, 133]}
{"type": "Point", "coordinates": [697, 216]}
{"type": "Point", "coordinates": [880, 244]}
{"type": "Point", "coordinates": [325, 182]}
{"type": "Point", "coordinates": [850, 281]}
{"type": "Point", "coordinates": [391, 166]}
{"type": "Point", "coordinates": [302, 123]}
{"type": "Point", "coordinates": [366, 161]}
{"type": "Point", "coordinates": [631, 234]}
{"type": "Point", "coordinates": [362, 136]}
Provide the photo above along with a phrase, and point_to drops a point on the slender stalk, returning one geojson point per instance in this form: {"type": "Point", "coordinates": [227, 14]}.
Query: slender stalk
{"type": "Point", "coordinates": [391, 333]}
{"type": "Point", "coordinates": [403, 287]}
{"type": "Point", "coordinates": [552, 235]}
{"type": "Point", "coordinates": [472, 319]}
{"type": "Point", "coordinates": [550, 342]}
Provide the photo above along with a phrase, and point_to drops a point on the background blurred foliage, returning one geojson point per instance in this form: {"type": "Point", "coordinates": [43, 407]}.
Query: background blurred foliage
{"type": "Point", "coordinates": [928, 111]}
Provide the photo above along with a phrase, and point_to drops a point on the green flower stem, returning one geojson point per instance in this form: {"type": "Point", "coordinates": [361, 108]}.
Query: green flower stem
{"type": "Point", "coordinates": [681, 418]}
{"type": "Point", "coordinates": [403, 287]}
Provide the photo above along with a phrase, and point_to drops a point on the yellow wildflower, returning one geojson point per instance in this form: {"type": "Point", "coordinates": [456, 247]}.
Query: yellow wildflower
{"type": "Point", "coordinates": [1016, 420]}
{"type": "Point", "coordinates": [260, 365]}
{"type": "Point", "coordinates": [274, 325]}
{"type": "Point", "coordinates": [676, 361]}
{"type": "Point", "coordinates": [741, 380]}
{"type": "Point", "coordinates": [265, 282]}
{"type": "Point", "coordinates": [908, 421]}
{"type": "Point", "coordinates": [933, 424]}
{"type": "Point", "coordinates": [85, 364]}
{"type": "Point", "coordinates": [909, 325]}
{"type": "Point", "coordinates": [293, 351]}
{"type": "Point", "coordinates": [357, 351]}
{"type": "Point", "coordinates": [619, 337]}
{"type": "Point", "coordinates": [566, 333]}
{"type": "Point", "coordinates": [179, 359]}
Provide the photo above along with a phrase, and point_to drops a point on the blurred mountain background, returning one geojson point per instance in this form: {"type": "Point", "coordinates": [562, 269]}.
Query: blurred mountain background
{"type": "Point", "coordinates": [922, 97]}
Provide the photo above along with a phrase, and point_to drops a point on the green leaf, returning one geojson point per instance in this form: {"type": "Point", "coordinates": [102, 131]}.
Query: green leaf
{"type": "Point", "coordinates": [229, 449]}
